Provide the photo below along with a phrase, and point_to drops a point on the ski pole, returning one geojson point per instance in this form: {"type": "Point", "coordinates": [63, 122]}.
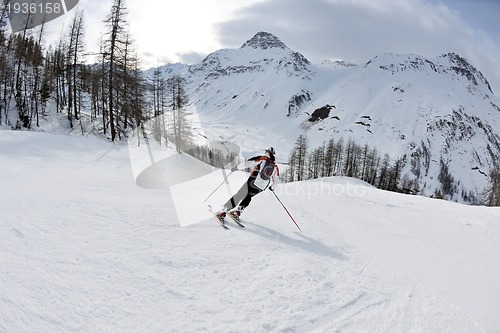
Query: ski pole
{"type": "Point", "coordinates": [286, 210]}
{"type": "Point", "coordinates": [219, 185]}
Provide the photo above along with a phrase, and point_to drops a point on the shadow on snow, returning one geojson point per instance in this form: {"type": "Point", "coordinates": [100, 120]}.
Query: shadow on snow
{"type": "Point", "coordinates": [307, 244]}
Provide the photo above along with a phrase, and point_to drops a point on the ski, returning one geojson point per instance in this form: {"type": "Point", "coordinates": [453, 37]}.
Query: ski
{"type": "Point", "coordinates": [236, 220]}
{"type": "Point", "coordinates": [220, 219]}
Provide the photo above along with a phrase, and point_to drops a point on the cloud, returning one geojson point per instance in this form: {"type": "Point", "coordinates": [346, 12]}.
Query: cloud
{"type": "Point", "coordinates": [481, 14]}
{"type": "Point", "coordinates": [190, 57]}
{"type": "Point", "coordinates": [358, 30]}
{"type": "Point", "coordinates": [151, 59]}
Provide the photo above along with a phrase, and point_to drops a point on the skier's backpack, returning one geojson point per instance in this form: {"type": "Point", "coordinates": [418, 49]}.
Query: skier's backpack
{"type": "Point", "coordinates": [267, 170]}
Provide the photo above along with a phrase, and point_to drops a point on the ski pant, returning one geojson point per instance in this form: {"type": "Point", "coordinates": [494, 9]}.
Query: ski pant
{"type": "Point", "coordinates": [244, 195]}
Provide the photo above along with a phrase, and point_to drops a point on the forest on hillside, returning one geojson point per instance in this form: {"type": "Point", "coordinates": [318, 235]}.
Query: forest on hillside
{"type": "Point", "coordinates": [107, 90]}
{"type": "Point", "coordinates": [350, 159]}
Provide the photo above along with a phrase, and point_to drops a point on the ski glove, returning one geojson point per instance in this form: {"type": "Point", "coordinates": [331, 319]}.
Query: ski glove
{"type": "Point", "coordinates": [235, 168]}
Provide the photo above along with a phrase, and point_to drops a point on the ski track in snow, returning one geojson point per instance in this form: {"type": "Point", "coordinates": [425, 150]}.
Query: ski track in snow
{"type": "Point", "coordinates": [84, 249]}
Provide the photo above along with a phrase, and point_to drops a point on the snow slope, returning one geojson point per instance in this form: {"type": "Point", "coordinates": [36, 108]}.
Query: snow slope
{"type": "Point", "coordinates": [84, 249]}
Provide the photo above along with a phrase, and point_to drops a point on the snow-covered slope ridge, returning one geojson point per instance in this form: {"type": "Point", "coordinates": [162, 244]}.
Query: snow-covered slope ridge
{"type": "Point", "coordinates": [439, 114]}
{"type": "Point", "coordinates": [83, 249]}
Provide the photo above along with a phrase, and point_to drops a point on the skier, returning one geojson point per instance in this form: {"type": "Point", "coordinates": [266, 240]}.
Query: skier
{"type": "Point", "coordinates": [263, 170]}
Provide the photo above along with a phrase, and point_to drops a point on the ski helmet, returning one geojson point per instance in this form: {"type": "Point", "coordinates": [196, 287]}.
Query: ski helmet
{"type": "Point", "coordinates": [271, 151]}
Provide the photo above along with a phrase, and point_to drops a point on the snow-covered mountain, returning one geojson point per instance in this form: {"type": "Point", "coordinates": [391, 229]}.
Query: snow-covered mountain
{"type": "Point", "coordinates": [440, 115]}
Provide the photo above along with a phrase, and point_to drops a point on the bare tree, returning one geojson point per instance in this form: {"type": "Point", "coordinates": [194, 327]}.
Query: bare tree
{"type": "Point", "coordinates": [114, 47]}
{"type": "Point", "coordinates": [138, 96]}
{"type": "Point", "coordinates": [493, 193]}
{"type": "Point", "coordinates": [6, 68]}
{"type": "Point", "coordinates": [74, 60]}
{"type": "Point", "coordinates": [21, 51]}
{"type": "Point", "coordinates": [181, 126]}
{"type": "Point", "coordinates": [159, 90]}
{"type": "Point", "coordinates": [298, 160]}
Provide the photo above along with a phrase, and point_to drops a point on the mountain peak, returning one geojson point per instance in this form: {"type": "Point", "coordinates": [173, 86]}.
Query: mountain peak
{"type": "Point", "coordinates": [463, 67]}
{"type": "Point", "coordinates": [264, 40]}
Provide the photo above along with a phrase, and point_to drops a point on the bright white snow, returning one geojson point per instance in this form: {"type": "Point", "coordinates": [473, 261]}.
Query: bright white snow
{"type": "Point", "coordinates": [83, 248]}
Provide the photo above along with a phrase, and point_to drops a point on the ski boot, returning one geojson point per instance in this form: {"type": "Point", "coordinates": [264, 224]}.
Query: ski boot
{"type": "Point", "coordinates": [235, 215]}
{"type": "Point", "coordinates": [221, 215]}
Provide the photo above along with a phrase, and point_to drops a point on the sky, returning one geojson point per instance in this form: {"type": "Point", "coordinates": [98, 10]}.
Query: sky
{"type": "Point", "coordinates": [351, 30]}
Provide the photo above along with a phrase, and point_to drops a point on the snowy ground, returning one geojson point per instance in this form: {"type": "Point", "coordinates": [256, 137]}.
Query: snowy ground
{"type": "Point", "coordinates": [83, 248]}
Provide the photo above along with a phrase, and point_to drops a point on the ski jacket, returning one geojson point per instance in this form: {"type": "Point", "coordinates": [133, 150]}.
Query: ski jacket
{"type": "Point", "coordinates": [255, 166]}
